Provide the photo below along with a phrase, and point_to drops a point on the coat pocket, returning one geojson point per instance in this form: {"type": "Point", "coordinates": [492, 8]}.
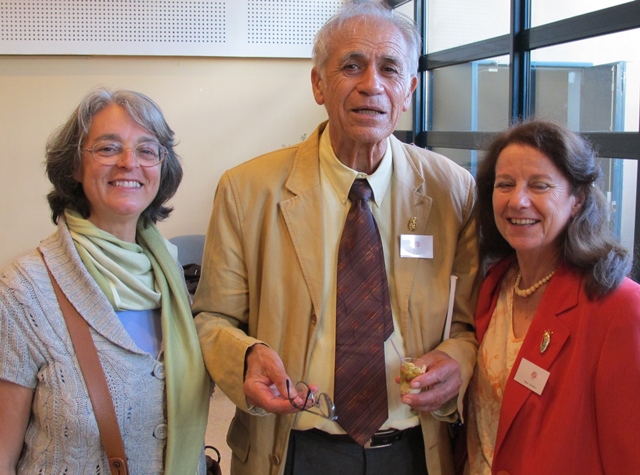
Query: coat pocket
{"type": "Point", "coordinates": [238, 436]}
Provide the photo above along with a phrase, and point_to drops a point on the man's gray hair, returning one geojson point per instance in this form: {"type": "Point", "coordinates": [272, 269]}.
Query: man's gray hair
{"type": "Point", "coordinates": [362, 10]}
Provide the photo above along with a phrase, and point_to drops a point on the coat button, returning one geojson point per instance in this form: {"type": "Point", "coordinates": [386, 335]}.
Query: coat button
{"type": "Point", "coordinates": [314, 319]}
{"type": "Point", "coordinates": [161, 431]}
{"type": "Point", "coordinates": [274, 459]}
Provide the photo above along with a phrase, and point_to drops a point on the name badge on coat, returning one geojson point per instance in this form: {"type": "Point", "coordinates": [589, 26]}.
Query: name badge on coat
{"type": "Point", "coordinates": [416, 246]}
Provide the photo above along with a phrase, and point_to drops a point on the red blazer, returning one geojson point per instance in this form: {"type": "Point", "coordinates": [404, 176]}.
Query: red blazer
{"type": "Point", "coordinates": [587, 419]}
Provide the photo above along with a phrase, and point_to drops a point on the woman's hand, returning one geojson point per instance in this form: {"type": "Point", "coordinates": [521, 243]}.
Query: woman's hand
{"type": "Point", "coordinates": [15, 410]}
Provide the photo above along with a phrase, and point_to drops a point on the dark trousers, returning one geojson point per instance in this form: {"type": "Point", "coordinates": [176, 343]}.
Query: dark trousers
{"type": "Point", "coordinates": [314, 453]}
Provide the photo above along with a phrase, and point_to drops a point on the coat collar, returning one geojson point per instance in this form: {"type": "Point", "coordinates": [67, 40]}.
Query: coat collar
{"type": "Point", "coordinates": [302, 214]}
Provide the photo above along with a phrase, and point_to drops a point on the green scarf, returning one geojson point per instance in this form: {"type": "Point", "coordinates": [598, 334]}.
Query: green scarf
{"type": "Point", "coordinates": [187, 382]}
{"type": "Point", "coordinates": [121, 269]}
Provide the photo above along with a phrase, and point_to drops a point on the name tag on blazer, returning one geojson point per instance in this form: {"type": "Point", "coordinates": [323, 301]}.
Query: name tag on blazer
{"type": "Point", "coordinates": [531, 376]}
{"type": "Point", "coordinates": [418, 247]}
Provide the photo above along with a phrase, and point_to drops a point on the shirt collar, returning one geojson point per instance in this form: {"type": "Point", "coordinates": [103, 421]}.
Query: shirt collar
{"type": "Point", "coordinates": [342, 177]}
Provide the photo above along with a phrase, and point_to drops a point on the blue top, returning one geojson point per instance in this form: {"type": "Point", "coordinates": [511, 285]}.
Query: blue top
{"type": "Point", "coordinates": [144, 327]}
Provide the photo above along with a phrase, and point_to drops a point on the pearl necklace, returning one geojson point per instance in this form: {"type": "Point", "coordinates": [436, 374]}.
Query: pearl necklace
{"type": "Point", "coordinates": [527, 292]}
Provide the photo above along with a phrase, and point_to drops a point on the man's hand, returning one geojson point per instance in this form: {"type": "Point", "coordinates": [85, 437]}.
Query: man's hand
{"type": "Point", "coordinates": [442, 381]}
{"type": "Point", "coordinates": [265, 382]}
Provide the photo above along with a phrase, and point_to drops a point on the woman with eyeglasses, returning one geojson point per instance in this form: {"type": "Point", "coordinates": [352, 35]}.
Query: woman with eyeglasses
{"type": "Point", "coordinates": [113, 168]}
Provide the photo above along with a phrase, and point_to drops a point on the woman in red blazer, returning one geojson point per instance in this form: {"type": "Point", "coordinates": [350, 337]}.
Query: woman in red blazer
{"type": "Point", "coordinates": [557, 383]}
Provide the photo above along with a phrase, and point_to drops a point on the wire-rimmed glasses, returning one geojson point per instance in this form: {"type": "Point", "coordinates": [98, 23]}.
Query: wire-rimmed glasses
{"type": "Point", "coordinates": [147, 154]}
{"type": "Point", "coordinates": [319, 404]}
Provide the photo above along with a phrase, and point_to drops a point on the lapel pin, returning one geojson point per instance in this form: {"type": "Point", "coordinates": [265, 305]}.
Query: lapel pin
{"type": "Point", "coordinates": [412, 223]}
{"type": "Point", "coordinates": [546, 339]}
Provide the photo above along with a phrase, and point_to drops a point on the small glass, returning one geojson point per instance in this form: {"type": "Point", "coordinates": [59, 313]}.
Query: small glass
{"type": "Point", "coordinates": [409, 370]}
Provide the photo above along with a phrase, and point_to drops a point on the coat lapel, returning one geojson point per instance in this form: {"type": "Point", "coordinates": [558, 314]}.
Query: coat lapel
{"type": "Point", "coordinates": [409, 202]}
{"type": "Point", "coordinates": [488, 296]}
{"type": "Point", "coordinates": [561, 295]}
{"type": "Point", "coordinates": [302, 214]}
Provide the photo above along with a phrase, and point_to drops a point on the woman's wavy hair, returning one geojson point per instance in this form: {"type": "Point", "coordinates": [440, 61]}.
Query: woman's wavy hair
{"type": "Point", "coordinates": [64, 153]}
{"type": "Point", "coordinates": [588, 243]}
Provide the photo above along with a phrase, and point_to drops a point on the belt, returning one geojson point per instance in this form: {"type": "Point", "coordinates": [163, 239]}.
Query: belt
{"type": "Point", "coordinates": [383, 438]}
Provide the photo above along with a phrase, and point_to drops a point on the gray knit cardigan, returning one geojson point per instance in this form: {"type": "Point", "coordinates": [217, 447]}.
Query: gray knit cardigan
{"type": "Point", "coordinates": [36, 352]}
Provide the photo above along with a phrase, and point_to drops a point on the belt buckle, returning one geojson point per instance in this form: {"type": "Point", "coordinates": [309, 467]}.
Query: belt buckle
{"type": "Point", "coordinates": [368, 445]}
{"type": "Point", "coordinates": [382, 433]}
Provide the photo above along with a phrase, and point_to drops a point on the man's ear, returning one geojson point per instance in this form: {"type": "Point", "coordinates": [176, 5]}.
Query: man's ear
{"type": "Point", "coordinates": [317, 85]}
{"type": "Point", "coordinates": [409, 98]}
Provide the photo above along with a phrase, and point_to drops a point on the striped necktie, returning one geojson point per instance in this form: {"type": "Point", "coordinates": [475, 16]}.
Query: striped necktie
{"type": "Point", "coordinates": [363, 321]}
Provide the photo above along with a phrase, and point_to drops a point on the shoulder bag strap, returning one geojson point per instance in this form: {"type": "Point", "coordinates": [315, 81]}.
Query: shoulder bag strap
{"type": "Point", "coordinates": [96, 382]}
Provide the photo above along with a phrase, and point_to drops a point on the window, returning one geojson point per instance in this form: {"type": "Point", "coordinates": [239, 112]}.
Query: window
{"type": "Point", "coordinates": [488, 63]}
{"type": "Point", "coordinates": [548, 11]}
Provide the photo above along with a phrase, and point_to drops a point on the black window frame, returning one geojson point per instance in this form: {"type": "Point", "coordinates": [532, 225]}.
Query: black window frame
{"type": "Point", "coordinates": [518, 44]}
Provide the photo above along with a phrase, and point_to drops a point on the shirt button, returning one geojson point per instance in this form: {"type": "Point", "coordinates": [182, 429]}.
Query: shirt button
{"type": "Point", "coordinates": [158, 371]}
{"type": "Point", "coordinates": [161, 431]}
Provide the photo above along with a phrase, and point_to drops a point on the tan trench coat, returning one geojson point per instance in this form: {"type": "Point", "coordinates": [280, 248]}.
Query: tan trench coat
{"type": "Point", "coordinates": [262, 280]}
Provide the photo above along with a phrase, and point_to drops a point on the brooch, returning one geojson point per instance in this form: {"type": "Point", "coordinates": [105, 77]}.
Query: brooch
{"type": "Point", "coordinates": [546, 339]}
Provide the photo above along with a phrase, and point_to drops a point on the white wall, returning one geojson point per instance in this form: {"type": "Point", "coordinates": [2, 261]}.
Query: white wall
{"type": "Point", "coordinates": [224, 111]}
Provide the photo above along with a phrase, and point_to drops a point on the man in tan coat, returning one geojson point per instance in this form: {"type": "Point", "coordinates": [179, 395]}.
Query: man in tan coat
{"type": "Point", "coordinates": [266, 304]}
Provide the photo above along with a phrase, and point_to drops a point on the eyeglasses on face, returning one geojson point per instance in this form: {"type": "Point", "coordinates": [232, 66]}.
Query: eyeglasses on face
{"type": "Point", "coordinates": [319, 404]}
{"type": "Point", "coordinates": [147, 154]}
